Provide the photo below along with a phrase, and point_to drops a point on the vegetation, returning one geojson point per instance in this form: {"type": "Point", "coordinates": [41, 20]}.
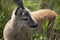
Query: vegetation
{"type": "Point", "coordinates": [7, 6]}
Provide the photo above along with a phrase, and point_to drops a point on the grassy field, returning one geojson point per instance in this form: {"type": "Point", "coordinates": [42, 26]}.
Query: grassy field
{"type": "Point", "coordinates": [7, 6]}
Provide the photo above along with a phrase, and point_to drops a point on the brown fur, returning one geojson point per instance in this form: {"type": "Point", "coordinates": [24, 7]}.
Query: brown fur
{"type": "Point", "coordinates": [16, 29]}
{"type": "Point", "coordinates": [22, 31]}
{"type": "Point", "coordinates": [40, 15]}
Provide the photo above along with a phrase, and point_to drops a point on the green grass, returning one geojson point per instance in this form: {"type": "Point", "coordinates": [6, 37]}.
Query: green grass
{"type": "Point", "coordinates": [7, 6]}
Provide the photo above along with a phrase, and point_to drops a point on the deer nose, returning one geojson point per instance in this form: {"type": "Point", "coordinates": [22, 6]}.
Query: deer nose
{"type": "Point", "coordinates": [33, 25]}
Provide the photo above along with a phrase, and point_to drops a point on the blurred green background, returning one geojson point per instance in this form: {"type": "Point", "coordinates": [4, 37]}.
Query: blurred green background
{"type": "Point", "coordinates": [7, 6]}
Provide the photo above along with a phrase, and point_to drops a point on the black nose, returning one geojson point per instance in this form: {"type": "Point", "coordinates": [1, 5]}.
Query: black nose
{"type": "Point", "coordinates": [33, 26]}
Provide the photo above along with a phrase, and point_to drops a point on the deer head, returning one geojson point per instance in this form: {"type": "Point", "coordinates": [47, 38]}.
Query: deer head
{"type": "Point", "coordinates": [23, 14]}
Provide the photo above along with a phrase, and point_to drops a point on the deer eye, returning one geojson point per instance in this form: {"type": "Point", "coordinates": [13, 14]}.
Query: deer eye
{"type": "Point", "coordinates": [25, 19]}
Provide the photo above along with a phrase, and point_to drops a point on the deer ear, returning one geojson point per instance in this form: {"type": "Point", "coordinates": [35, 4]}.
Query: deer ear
{"type": "Point", "coordinates": [19, 3]}
{"type": "Point", "coordinates": [18, 11]}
